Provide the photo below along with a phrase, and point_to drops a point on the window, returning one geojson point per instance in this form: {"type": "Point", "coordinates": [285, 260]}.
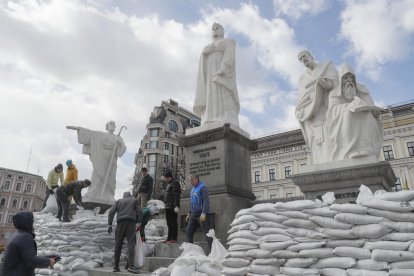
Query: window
{"type": "Point", "coordinates": [29, 188]}
{"type": "Point", "coordinates": [410, 146]}
{"type": "Point", "coordinates": [154, 132]}
{"type": "Point", "coordinates": [146, 145]}
{"type": "Point", "coordinates": [289, 194]}
{"type": "Point", "coordinates": [172, 161]}
{"type": "Point", "coordinates": [388, 154]}
{"type": "Point", "coordinates": [10, 219]}
{"type": "Point", "coordinates": [18, 187]}
{"type": "Point", "coordinates": [25, 204]}
{"type": "Point", "coordinates": [172, 149]}
{"type": "Point", "coordinates": [1, 218]}
{"type": "Point", "coordinates": [3, 202]}
{"type": "Point", "coordinates": [272, 174]}
{"type": "Point", "coordinates": [166, 146]}
{"type": "Point", "coordinates": [14, 203]}
{"type": "Point", "coordinates": [167, 134]}
{"type": "Point", "coordinates": [273, 196]}
{"type": "Point", "coordinates": [172, 125]}
{"type": "Point", "coordinates": [288, 171]}
{"type": "Point", "coordinates": [397, 185]}
{"type": "Point", "coordinates": [7, 185]}
{"type": "Point", "coordinates": [9, 176]}
{"type": "Point", "coordinates": [165, 158]}
{"type": "Point", "coordinates": [256, 176]}
{"type": "Point", "coordinates": [153, 144]}
{"type": "Point", "coordinates": [21, 177]}
{"type": "Point", "coordinates": [302, 166]}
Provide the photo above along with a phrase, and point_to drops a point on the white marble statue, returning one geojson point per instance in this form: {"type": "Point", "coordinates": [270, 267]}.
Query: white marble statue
{"type": "Point", "coordinates": [353, 120]}
{"type": "Point", "coordinates": [217, 99]}
{"type": "Point", "coordinates": [314, 87]}
{"type": "Point", "coordinates": [103, 150]}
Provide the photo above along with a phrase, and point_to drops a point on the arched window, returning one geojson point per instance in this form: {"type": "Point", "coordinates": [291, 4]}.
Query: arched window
{"type": "Point", "coordinates": [14, 203]}
{"type": "Point", "coordinates": [29, 188]}
{"type": "Point", "coordinates": [3, 202]}
{"type": "Point", "coordinates": [172, 125]}
{"type": "Point", "coordinates": [25, 204]}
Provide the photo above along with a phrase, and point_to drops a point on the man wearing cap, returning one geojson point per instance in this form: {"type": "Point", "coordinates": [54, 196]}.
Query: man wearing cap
{"type": "Point", "coordinates": [172, 206]}
{"type": "Point", "coordinates": [71, 189]}
{"type": "Point", "coordinates": [52, 181]}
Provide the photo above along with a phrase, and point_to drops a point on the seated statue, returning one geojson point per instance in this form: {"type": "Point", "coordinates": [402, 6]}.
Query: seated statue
{"type": "Point", "coordinates": [353, 120]}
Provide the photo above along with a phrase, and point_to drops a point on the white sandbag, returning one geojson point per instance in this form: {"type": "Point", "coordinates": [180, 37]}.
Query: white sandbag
{"type": "Point", "coordinates": [295, 214]}
{"type": "Point", "coordinates": [44, 271]}
{"type": "Point", "coordinates": [300, 262]}
{"type": "Point", "coordinates": [264, 269]}
{"type": "Point", "coordinates": [298, 205]}
{"type": "Point", "coordinates": [236, 262]}
{"type": "Point", "coordinates": [387, 245]}
{"type": "Point", "coordinates": [233, 271]}
{"type": "Point", "coordinates": [237, 254]}
{"type": "Point", "coordinates": [338, 262]}
{"type": "Point", "coordinates": [190, 249]}
{"type": "Point", "coordinates": [139, 257]}
{"type": "Point", "coordinates": [391, 255]}
{"type": "Point", "coordinates": [364, 272]}
{"type": "Point", "coordinates": [274, 238]}
{"type": "Point", "coordinates": [370, 231]}
{"type": "Point", "coordinates": [243, 226]}
{"type": "Point", "coordinates": [245, 234]}
{"type": "Point", "coordinates": [337, 233]}
{"type": "Point", "coordinates": [89, 265]}
{"type": "Point", "coordinates": [394, 216]}
{"type": "Point", "coordinates": [369, 264]}
{"type": "Point", "coordinates": [180, 270]}
{"type": "Point", "coordinates": [353, 252]}
{"type": "Point", "coordinates": [267, 216]}
{"type": "Point", "coordinates": [303, 246]}
{"type": "Point", "coordinates": [300, 223]}
{"type": "Point", "coordinates": [295, 271]}
{"type": "Point", "coordinates": [269, 261]}
{"type": "Point", "coordinates": [401, 196]}
{"type": "Point", "coordinates": [262, 231]}
{"type": "Point", "coordinates": [297, 232]}
{"type": "Point", "coordinates": [208, 268]}
{"type": "Point", "coordinates": [322, 211]}
{"type": "Point", "coordinates": [218, 252]}
{"type": "Point", "coordinates": [333, 271]}
{"type": "Point", "coordinates": [51, 205]}
{"type": "Point", "coordinates": [399, 236]}
{"type": "Point", "coordinates": [156, 202]}
{"type": "Point", "coordinates": [242, 247]}
{"type": "Point", "coordinates": [162, 271]}
{"type": "Point", "coordinates": [320, 253]}
{"type": "Point", "coordinates": [388, 205]}
{"type": "Point", "coordinates": [271, 224]}
{"type": "Point", "coordinates": [364, 194]}
{"type": "Point", "coordinates": [242, 212]}
{"type": "Point", "coordinates": [79, 273]}
{"type": "Point", "coordinates": [242, 241]}
{"type": "Point", "coordinates": [407, 227]}
{"type": "Point", "coordinates": [262, 207]}
{"type": "Point", "coordinates": [284, 254]}
{"type": "Point", "coordinates": [411, 247]}
{"type": "Point", "coordinates": [401, 272]}
{"type": "Point", "coordinates": [58, 242]}
{"type": "Point", "coordinates": [362, 219]}
{"type": "Point", "coordinates": [272, 246]}
{"type": "Point", "coordinates": [402, 265]}
{"type": "Point", "coordinates": [305, 239]}
{"type": "Point", "coordinates": [243, 219]}
{"type": "Point", "coordinates": [349, 208]}
{"type": "Point", "coordinates": [330, 222]}
{"type": "Point", "coordinates": [258, 254]}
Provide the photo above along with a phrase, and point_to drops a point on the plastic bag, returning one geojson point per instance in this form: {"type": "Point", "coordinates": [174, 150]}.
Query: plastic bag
{"type": "Point", "coordinates": [328, 198]}
{"type": "Point", "coordinates": [51, 205]}
{"type": "Point", "coordinates": [139, 257]}
{"type": "Point", "coordinates": [218, 251]}
{"type": "Point", "coordinates": [364, 194]}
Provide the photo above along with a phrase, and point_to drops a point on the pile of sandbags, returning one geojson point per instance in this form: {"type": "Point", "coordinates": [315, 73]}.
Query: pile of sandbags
{"type": "Point", "coordinates": [373, 237]}
{"type": "Point", "coordinates": [83, 243]}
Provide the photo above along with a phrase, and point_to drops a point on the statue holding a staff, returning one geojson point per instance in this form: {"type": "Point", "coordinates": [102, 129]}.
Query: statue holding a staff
{"type": "Point", "coordinates": [103, 150]}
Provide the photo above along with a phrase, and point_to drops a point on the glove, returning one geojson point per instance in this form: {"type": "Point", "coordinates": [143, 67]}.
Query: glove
{"type": "Point", "coordinates": [176, 210]}
{"type": "Point", "coordinates": [203, 217]}
{"type": "Point", "coordinates": [51, 191]}
{"type": "Point", "coordinates": [187, 218]}
{"type": "Point", "coordinates": [80, 207]}
{"type": "Point", "coordinates": [109, 229]}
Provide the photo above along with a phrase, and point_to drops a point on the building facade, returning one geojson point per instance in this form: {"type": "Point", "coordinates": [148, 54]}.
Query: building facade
{"type": "Point", "coordinates": [283, 154]}
{"type": "Point", "coordinates": [19, 191]}
{"type": "Point", "coordinates": [159, 150]}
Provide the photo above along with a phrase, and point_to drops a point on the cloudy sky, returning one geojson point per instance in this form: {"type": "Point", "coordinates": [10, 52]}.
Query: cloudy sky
{"type": "Point", "coordinates": [86, 62]}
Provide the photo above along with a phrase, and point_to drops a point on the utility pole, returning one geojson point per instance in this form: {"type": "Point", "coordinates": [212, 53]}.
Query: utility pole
{"type": "Point", "coordinates": [30, 155]}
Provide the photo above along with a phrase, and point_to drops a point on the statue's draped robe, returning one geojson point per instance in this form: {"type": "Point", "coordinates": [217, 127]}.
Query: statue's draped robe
{"type": "Point", "coordinates": [216, 97]}
{"type": "Point", "coordinates": [100, 147]}
{"type": "Point", "coordinates": [312, 108]}
{"type": "Point", "coordinates": [354, 132]}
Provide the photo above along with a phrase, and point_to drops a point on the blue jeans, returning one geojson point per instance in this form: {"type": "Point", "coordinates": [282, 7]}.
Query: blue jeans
{"type": "Point", "coordinates": [192, 226]}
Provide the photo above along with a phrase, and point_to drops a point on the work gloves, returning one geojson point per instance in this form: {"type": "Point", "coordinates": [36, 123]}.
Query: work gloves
{"type": "Point", "coordinates": [109, 229]}
{"type": "Point", "coordinates": [203, 217]}
{"type": "Point", "coordinates": [176, 210]}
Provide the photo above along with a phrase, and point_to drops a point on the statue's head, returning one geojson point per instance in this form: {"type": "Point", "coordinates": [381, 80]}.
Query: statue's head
{"type": "Point", "coordinates": [110, 126]}
{"type": "Point", "coordinates": [217, 31]}
{"type": "Point", "coordinates": [306, 58]}
{"type": "Point", "coordinates": [348, 81]}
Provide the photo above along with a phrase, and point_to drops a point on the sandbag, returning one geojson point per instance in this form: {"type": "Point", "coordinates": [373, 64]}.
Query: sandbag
{"type": "Point", "coordinates": [272, 246]}
{"type": "Point", "coordinates": [333, 272]}
{"type": "Point", "coordinates": [235, 262]}
{"type": "Point", "coordinates": [300, 262]}
{"type": "Point", "coordinates": [369, 264]}
{"type": "Point", "coordinates": [401, 196]}
{"type": "Point", "coordinates": [387, 245]}
{"type": "Point", "coordinates": [370, 231]}
{"type": "Point", "coordinates": [264, 269]}
{"type": "Point", "coordinates": [320, 253]}
{"type": "Point", "coordinates": [300, 223]}
{"type": "Point", "coordinates": [330, 222]}
{"type": "Point", "coordinates": [322, 211]}
{"type": "Point", "coordinates": [357, 253]}
{"type": "Point", "coordinates": [349, 208]}
{"type": "Point", "coordinates": [362, 219]}
{"type": "Point", "coordinates": [394, 216]}
{"type": "Point", "coordinates": [402, 265]}
{"type": "Point", "coordinates": [391, 255]}
{"type": "Point", "coordinates": [139, 257]}
{"type": "Point", "coordinates": [364, 272]}
{"type": "Point", "coordinates": [218, 251]}
{"type": "Point", "coordinates": [338, 262]}
{"type": "Point", "coordinates": [295, 271]}
{"type": "Point", "coordinates": [401, 272]}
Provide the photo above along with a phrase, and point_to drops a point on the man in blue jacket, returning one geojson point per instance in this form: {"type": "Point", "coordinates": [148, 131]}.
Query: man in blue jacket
{"type": "Point", "coordinates": [199, 208]}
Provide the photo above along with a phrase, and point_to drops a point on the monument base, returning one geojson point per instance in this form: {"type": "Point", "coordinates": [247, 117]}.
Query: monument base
{"type": "Point", "coordinates": [345, 181]}
{"type": "Point", "coordinates": [93, 205]}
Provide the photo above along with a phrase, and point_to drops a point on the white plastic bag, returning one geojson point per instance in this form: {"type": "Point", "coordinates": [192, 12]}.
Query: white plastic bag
{"type": "Point", "coordinates": [218, 251]}
{"type": "Point", "coordinates": [139, 257]}
{"type": "Point", "coordinates": [51, 205]}
{"type": "Point", "coordinates": [364, 194]}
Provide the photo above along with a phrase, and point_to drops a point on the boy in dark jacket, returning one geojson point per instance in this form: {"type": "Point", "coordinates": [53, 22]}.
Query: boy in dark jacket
{"type": "Point", "coordinates": [172, 206]}
{"type": "Point", "coordinates": [128, 214]}
{"type": "Point", "coordinates": [74, 189]}
{"type": "Point", "coordinates": [145, 188]}
{"type": "Point", "coordinates": [21, 253]}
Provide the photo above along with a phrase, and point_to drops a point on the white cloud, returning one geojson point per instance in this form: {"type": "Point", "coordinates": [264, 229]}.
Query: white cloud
{"type": "Point", "coordinates": [379, 32]}
{"type": "Point", "coordinates": [298, 8]}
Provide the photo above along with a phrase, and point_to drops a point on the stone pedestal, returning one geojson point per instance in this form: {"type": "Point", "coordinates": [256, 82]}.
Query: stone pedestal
{"type": "Point", "coordinates": [221, 158]}
{"type": "Point", "coordinates": [345, 181]}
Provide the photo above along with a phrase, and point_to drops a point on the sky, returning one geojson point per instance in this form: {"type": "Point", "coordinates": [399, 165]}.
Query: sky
{"type": "Point", "coordinates": [83, 63]}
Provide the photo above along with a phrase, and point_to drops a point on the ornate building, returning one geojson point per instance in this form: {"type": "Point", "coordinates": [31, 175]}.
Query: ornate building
{"type": "Point", "coordinates": [283, 154]}
{"type": "Point", "coordinates": [159, 150]}
{"type": "Point", "coordinates": [19, 191]}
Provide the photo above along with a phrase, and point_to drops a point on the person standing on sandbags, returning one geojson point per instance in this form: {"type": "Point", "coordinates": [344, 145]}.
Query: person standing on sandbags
{"type": "Point", "coordinates": [128, 212]}
{"type": "Point", "coordinates": [52, 181]}
{"type": "Point", "coordinates": [63, 193]}
{"type": "Point", "coordinates": [172, 206]}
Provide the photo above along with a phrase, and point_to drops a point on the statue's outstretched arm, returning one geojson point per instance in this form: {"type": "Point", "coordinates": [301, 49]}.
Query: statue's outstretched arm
{"type": "Point", "coordinates": [73, 127]}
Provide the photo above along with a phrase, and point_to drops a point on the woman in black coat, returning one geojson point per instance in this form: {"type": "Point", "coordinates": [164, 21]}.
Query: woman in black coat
{"type": "Point", "coordinates": [21, 258]}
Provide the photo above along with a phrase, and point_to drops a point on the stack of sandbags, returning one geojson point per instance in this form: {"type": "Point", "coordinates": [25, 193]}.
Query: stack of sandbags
{"type": "Point", "coordinates": [83, 243]}
{"type": "Point", "coordinates": [307, 237]}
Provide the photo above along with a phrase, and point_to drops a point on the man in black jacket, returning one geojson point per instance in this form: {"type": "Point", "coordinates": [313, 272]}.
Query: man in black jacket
{"type": "Point", "coordinates": [74, 189]}
{"type": "Point", "coordinates": [172, 206]}
{"type": "Point", "coordinates": [145, 188]}
{"type": "Point", "coordinates": [21, 257]}
{"type": "Point", "coordinates": [128, 215]}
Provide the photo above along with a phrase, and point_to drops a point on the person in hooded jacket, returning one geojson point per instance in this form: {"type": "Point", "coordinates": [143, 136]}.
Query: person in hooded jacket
{"type": "Point", "coordinates": [21, 257]}
{"type": "Point", "coordinates": [128, 212]}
